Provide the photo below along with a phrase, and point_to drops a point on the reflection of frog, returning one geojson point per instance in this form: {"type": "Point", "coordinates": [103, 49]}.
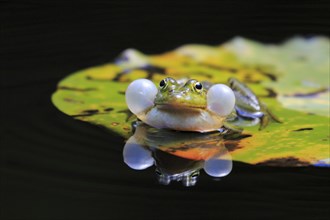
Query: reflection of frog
{"type": "Point", "coordinates": [193, 106]}
{"type": "Point", "coordinates": [178, 156]}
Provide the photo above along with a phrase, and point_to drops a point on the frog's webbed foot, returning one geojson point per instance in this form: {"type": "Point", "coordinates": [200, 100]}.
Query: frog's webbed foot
{"type": "Point", "coordinates": [232, 132]}
{"type": "Point", "coordinates": [267, 117]}
{"type": "Point", "coordinates": [236, 122]}
{"type": "Point", "coordinates": [264, 121]}
{"type": "Point", "coordinates": [230, 128]}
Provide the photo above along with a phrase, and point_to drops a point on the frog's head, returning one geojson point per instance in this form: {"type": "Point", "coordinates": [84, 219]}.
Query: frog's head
{"type": "Point", "coordinates": [173, 95]}
{"type": "Point", "coordinates": [175, 104]}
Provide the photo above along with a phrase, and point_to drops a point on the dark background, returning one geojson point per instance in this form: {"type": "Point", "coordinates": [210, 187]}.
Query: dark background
{"type": "Point", "coordinates": [54, 167]}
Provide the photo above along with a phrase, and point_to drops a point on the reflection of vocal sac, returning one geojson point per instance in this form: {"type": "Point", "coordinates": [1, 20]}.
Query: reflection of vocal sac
{"type": "Point", "coordinates": [177, 156]}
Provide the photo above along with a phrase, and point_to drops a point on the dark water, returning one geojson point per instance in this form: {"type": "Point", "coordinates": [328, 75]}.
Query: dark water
{"type": "Point", "coordinates": [55, 167]}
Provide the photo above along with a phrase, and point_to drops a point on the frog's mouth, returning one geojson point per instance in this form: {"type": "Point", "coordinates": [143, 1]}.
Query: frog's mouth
{"type": "Point", "coordinates": [176, 106]}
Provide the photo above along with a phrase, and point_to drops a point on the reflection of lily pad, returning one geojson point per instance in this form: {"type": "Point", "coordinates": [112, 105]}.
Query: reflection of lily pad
{"type": "Point", "coordinates": [292, 79]}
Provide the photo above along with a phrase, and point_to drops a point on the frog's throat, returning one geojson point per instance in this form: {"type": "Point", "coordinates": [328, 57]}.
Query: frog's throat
{"type": "Point", "coordinates": [182, 119]}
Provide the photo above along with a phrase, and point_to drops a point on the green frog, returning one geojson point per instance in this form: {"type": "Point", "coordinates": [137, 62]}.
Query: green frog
{"type": "Point", "coordinates": [190, 105]}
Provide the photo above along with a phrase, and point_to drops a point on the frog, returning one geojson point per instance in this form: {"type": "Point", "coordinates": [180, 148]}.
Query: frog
{"type": "Point", "coordinates": [180, 106]}
{"type": "Point", "coordinates": [190, 105]}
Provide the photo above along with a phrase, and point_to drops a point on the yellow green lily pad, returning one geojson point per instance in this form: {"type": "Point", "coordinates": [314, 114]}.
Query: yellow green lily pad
{"type": "Point", "coordinates": [291, 78]}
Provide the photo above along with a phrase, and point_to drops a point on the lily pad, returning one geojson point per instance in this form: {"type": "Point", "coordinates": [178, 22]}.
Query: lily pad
{"type": "Point", "coordinates": [291, 78]}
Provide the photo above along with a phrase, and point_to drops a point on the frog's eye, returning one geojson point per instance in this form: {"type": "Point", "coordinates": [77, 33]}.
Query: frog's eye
{"type": "Point", "coordinates": [168, 84]}
{"type": "Point", "coordinates": [162, 83]}
{"type": "Point", "coordinates": [198, 86]}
